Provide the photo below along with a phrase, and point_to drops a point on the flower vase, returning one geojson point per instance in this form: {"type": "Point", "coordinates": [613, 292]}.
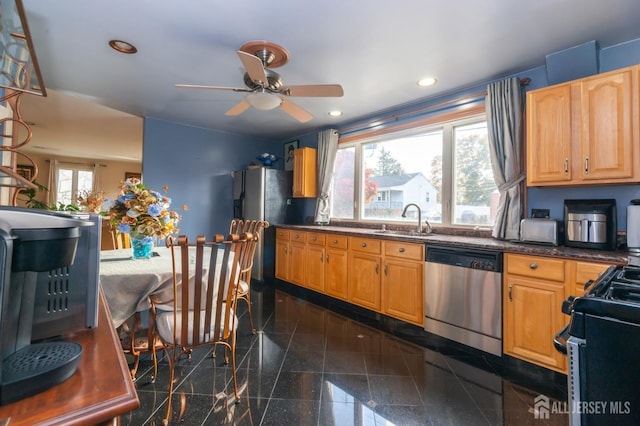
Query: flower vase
{"type": "Point", "coordinates": [141, 247]}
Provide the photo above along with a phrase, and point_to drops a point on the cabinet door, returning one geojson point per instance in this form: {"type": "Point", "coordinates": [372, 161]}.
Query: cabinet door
{"type": "Point", "coordinates": [296, 263]}
{"type": "Point", "coordinates": [282, 260]}
{"type": "Point", "coordinates": [402, 290]}
{"type": "Point", "coordinates": [533, 316]}
{"type": "Point", "coordinates": [315, 268]}
{"type": "Point", "coordinates": [304, 173]}
{"type": "Point", "coordinates": [336, 273]}
{"type": "Point", "coordinates": [607, 135]}
{"type": "Point", "coordinates": [364, 280]}
{"type": "Point", "coordinates": [585, 272]}
{"type": "Point", "coordinates": [549, 135]}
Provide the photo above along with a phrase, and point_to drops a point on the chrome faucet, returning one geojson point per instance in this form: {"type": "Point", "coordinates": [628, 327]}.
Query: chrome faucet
{"type": "Point", "coordinates": [404, 214]}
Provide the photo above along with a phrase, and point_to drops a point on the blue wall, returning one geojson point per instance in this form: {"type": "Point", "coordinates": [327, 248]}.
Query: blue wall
{"type": "Point", "coordinates": [196, 163]}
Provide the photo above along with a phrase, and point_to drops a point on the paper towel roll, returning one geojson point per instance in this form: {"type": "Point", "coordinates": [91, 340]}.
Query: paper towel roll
{"type": "Point", "coordinates": [633, 227]}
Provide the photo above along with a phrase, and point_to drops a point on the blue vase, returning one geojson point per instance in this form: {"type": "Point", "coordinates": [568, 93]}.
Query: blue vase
{"type": "Point", "coordinates": [142, 247]}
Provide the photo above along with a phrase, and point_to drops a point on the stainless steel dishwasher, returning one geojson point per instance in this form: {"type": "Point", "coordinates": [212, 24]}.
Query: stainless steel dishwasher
{"type": "Point", "coordinates": [463, 297]}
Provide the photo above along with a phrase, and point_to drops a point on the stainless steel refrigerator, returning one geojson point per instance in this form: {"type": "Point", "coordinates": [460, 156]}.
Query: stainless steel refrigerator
{"type": "Point", "coordinates": [263, 194]}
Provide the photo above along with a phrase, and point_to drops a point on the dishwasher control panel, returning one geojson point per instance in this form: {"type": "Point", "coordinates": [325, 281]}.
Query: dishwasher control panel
{"type": "Point", "coordinates": [485, 260]}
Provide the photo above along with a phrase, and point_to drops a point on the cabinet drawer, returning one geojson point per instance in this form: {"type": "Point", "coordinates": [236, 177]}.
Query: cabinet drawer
{"type": "Point", "coordinates": [297, 236]}
{"type": "Point", "coordinates": [536, 267]}
{"type": "Point", "coordinates": [337, 241]}
{"type": "Point", "coordinates": [404, 250]}
{"type": "Point", "coordinates": [316, 238]}
{"type": "Point", "coordinates": [586, 271]}
{"type": "Point", "coordinates": [364, 245]}
{"type": "Point", "coordinates": [282, 234]}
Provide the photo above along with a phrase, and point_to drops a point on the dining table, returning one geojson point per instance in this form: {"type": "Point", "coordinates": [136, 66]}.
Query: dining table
{"type": "Point", "coordinates": [128, 284]}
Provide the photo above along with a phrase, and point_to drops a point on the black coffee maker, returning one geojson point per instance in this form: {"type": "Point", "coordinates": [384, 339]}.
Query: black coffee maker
{"type": "Point", "coordinates": [32, 242]}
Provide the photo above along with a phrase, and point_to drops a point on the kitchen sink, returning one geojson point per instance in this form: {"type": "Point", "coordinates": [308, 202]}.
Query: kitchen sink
{"type": "Point", "coordinates": [401, 233]}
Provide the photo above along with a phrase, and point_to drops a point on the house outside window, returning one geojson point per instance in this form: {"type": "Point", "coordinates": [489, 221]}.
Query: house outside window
{"type": "Point", "coordinates": [445, 168]}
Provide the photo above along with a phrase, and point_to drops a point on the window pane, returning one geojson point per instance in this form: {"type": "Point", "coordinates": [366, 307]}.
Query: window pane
{"type": "Point", "coordinates": [476, 195]}
{"type": "Point", "coordinates": [343, 192]}
{"type": "Point", "coordinates": [402, 171]}
{"type": "Point", "coordinates": [64, 186]}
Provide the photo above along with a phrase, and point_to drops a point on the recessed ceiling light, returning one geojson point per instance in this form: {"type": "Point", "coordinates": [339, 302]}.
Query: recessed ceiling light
{"type": "Point", "coordinates": [123, 46]}
{"type": "Point", "coordinates": [426, 82]}
{"type": "Point", "coordinates": [335, 113]}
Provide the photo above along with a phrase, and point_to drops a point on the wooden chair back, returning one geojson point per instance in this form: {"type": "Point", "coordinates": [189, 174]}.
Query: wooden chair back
{"type": "Point", "coordinates": [254, 227]}
{"type": "Point", "coordinates": [202, 309]}
{"type": "Point", "coordinates": [112, 239]}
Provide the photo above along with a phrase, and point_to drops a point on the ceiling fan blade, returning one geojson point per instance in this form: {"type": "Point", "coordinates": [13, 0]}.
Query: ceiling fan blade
{"type": "Point", "coordinates": [239, 108]}
{"type": "Point", "coordinates": [319, 90]}
{"type": "Point", "coordinates": [295, 111]}
{"type": "Point", "coordinates": [253, 66]}
{"type": "Point", "coordinates": [197, 86]}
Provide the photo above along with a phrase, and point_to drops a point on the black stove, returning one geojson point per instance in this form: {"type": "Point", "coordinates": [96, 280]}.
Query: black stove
{"type": "Point", "coordinates": [602, 341]}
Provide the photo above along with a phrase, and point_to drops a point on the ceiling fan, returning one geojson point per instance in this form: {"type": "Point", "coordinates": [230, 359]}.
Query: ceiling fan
{"type": "Point", "coordinates": [265, 87]}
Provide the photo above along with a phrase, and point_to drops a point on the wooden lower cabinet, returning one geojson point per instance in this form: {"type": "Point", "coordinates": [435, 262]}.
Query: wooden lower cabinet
{"type": "Point", "coordinates": [336, 267]}
{"type": "Point", "coordinates": [364, 280]}
{"type": "Point", "coordinates": [282, 254]}
{"type": "Point", "coordinates": [315, 262]}
{"type": "Point", "coordinates": [403, 282]}
{"type": "Point", "coordinates": [534, 289]}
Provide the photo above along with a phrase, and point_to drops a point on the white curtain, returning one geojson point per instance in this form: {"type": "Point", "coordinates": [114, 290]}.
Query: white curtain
{"type": "Point", "coordinates": [52, 182]}
{"type": "Point", "coordinates": [327, 150]}
{"type": "Point", "coordinates": [504, 108]}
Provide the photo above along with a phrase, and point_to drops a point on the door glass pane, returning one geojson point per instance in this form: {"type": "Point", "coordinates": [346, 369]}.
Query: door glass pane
{"type": "Point", "coordinates": [475, 192]}
{"type": "Point", "coordinates": [64, 186]}
{"type": "Point", "coordinates": [342, 194]}
{"type": "Point", "coordinates": [402, 171]}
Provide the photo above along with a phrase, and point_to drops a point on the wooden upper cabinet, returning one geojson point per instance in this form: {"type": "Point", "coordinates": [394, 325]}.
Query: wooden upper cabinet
{"type": "Point", "coordinates": [607, 131]}
{"type": "Point", "coordinates": [549, 135]}
{"type": "Point", "coordinates": [305, 173]}
{"type": "Point", "coordinates": [585, 131]}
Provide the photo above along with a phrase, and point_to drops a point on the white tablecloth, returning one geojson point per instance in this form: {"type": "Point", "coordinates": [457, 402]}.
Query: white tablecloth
{"type": "Point", "coordinates": [127, 284]}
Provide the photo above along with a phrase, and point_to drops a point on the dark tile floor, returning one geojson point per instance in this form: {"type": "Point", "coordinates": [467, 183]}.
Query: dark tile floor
{"type": "Point", "coordinates": [309, 365]}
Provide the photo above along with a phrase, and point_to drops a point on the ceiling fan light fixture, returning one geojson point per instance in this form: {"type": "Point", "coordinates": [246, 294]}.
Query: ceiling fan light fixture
{"type": "Point", "coordinates": [263, 100]}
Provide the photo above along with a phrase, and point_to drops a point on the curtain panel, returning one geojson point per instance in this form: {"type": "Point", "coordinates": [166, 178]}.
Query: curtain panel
{"type": "Point", "coordinates": [327, 150]}
{"type": "Point", "coordinates": [504, 109]}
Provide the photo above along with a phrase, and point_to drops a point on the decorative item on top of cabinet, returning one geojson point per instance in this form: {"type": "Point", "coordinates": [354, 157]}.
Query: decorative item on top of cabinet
{"type": "Point", "coordinates": [304, 173]}
{"type": "Point", "coordinates": [585, 131]}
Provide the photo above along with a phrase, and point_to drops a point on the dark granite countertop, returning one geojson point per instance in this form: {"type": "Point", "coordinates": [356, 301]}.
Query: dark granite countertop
{"type": "Point", "coordinates": [618, 256]}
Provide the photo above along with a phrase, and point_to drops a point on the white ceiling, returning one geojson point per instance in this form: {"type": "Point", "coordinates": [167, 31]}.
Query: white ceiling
{"type": "Point", "coordinates": [376, 50]}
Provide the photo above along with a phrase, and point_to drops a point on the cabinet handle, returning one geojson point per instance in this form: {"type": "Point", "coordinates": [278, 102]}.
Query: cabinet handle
{"type": "Point", "coordinates": [290, 250]}
{"type": "Point", "coordinates": [510, 292]}
{"type": "Point", "coordinates": [321, 257]}
{"type": "Point", "coordinates": [401, 249]}
{"type": "Point", "coordinates": [386, 267]}
{"type": "Point", "coordinates": [327, 258]}
{"type": "Point", "coordinates": [377, 268]}
{"type": "Point", "coordinates": [566, 166]}
{"type": "Point", "coordinates": [315, 238]}
{"type": "Point", "coordinates": [296, 236]}
{"type": "Point", "coordinates": [533, 265]}
{"type": "Point", "coordinates": [586, 165]}
{"type": "Point", "coordinates": [335, 241]}
{"type": "Point", "coordinates": [364, 244]}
